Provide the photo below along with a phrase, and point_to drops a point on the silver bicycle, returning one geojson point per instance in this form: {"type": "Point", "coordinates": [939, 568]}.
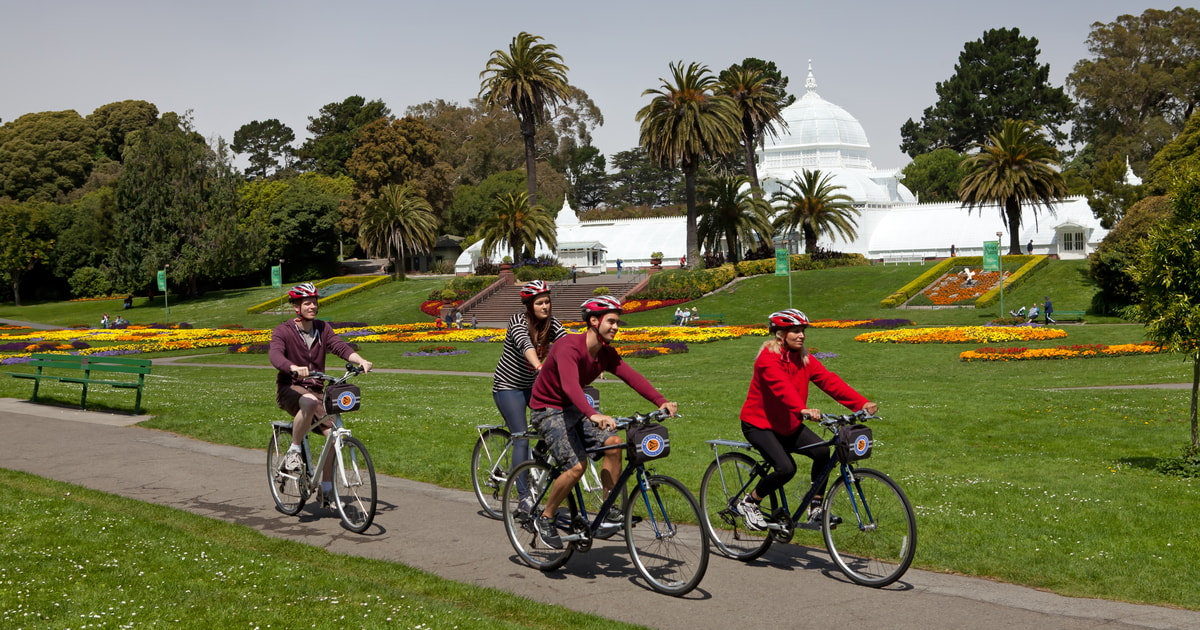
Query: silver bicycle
{"type": "Point", "coordinates": [343, 458]}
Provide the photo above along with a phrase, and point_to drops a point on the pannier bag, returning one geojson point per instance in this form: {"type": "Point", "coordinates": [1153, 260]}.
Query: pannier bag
{"type": "Point", "coordinates": [648, 442]}
{"type": "Point", "coordinates": [342, 398]}
{"type": "Point", "coordinates": [854, 443]}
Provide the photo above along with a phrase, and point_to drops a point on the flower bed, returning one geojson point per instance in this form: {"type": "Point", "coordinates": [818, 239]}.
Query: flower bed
{"type": "Point", "coordinates": [962, 334]}
{"type": "Point", "coordinates": [637, 306]}
{"type": "Point", "coordinates": [647, 350]}
{"type": "Point", "coordinates": [1062, 352]}
{"type": "Point", "coordinates": [955, 288]}
{"type": "Point", "coordinates": [861, 323]}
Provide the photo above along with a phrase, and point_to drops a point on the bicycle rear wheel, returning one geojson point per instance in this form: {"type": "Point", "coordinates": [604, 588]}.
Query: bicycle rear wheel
{"type": "Point", "coordinates": [877, 538]}
{"type": "Point", "coordinates": [664, 536]}
{"type": "Point", "coordinates": [489, 469]}
{"type": "Point", "coordinates": [286, 488]}
{"type": "Point", "coordinates": [725, 482]}
{"type": "Point", "coordinates": [518, 519]}
{"type": "Point", "coordinates": [354, 489]}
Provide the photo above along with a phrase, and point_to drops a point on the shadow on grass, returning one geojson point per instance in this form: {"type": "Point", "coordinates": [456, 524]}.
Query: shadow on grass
{"type": "Point", "coordinates": [1145, 463]}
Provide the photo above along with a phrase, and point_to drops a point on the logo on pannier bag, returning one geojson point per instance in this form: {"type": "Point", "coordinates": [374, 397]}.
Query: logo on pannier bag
{"type": "Point", "coordinates": [862, 446]}
{"type": "Point", "coordinates": [346, 401]}
{"type": "Point", "coordinates": [652, 445]}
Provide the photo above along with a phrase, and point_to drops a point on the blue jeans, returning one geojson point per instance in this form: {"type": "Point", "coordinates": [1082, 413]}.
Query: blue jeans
{"type": "Point", "coordinates": [513, 405]}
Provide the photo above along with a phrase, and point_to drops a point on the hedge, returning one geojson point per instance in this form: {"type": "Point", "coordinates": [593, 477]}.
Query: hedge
{"type": "Point", "coordinates": [361, 283]}
{"type": "Point", "coordinates": [800, 262]}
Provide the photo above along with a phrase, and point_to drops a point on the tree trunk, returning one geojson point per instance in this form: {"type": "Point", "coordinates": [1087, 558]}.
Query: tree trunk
{"type": "Point", "coordinates": [810, 240]}
{"type": "Point", "coordinates": [16, 287]}
{"type": "Point", "coordinates": [731, 245]}
{"type": "Point", "coordinates": [1195, 390]}
{"type": "Point", "coordinates": [528, 130]}
{"type": "Point", "coordinates": [693, 247]}
{"type": "Point", "coordinates": [751, 166]}
{"type": "Point", "coordinates": [1012, 210]}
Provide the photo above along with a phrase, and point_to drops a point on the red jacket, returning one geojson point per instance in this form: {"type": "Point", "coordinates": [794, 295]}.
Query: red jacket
{"type": "Point", "coordinates": [779, 390]}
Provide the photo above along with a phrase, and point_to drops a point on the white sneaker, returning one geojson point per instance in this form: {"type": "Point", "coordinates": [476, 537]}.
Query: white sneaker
{"type": "Point", "coordinates": [752, 514]}
{"type": "Point", "coordinates": [292, 463]}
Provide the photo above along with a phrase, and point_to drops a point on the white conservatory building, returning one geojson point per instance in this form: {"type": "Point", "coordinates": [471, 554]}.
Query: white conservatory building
{"type": "Point", "coordinates": [892, 224]}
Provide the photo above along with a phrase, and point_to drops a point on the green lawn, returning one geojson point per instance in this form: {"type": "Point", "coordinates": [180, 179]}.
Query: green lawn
{"type": "Point", "coordinates": [1011, 477]}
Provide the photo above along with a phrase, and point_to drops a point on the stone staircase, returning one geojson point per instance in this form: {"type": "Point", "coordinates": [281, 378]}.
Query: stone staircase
{"type": "Point", "coordinates": [500, 306]}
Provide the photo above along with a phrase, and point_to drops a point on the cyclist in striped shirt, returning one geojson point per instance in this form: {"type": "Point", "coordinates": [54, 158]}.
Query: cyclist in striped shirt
{"type": "Point", "coordinates": [525, 346]}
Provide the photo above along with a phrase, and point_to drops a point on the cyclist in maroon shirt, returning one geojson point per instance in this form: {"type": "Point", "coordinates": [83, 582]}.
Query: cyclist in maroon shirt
{"type": "Point", "coordinates": [560, 407]}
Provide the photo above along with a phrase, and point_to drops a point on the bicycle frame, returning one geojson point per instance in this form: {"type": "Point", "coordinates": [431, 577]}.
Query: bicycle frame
{"type": "Point", "coordinates": [590, 479]}
{"type": "Point", "coordinates": [578, 507]}
{"type": "Point", "coordinates": [316, 472]}
{"type": "Point", "coordinates": [761, 467]}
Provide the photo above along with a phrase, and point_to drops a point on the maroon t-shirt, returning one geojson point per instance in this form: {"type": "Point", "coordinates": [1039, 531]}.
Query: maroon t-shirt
{"type": "Point", "coordinates": [569, 367]}
{"type": "Point", "coordinates": [288, 348]}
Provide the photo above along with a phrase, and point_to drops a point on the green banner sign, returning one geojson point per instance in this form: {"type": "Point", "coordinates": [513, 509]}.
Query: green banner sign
{"type": "Point", "coordinates": [277, 276]}
{"type": "Point", "coordinates": [991, 255]}
{"type": "Point", "coordinates": [162, 280]}
{"type": "Point", "coordinates": [781, 262]}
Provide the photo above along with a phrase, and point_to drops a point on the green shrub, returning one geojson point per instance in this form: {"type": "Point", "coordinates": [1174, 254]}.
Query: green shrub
{"type": "Point", "coordinates": [601, 291]}
{"type": "Point", "coordinates": [800, 262]}
{"type": "Point", "coordinates": [89, 282]}
{"type": "Point", "coordinates": [448, 295]}
{"type": "Point", "coordinates": [443, 268]}
{"type": "Point", "coordinates": [549, 273]}
{"type": "Point", "coordinates": [1185, 465]}
{"type": "Point", "coordinates": [692, 283]}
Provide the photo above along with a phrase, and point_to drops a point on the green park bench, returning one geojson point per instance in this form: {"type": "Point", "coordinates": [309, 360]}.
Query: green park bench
{"type": "Point", "coordinates": [1076, 316]}
{"type": "Point", "coordinates": [96, 371]}
{"type": "Point", "coordinates": [714, 317]}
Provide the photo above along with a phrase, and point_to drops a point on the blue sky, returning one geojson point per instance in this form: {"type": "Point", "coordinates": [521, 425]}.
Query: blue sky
{"type": "Point", "coordinates": [233, 62]}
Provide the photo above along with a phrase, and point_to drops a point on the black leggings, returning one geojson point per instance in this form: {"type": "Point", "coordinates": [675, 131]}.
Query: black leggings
{"type": "Point", "coordinates": [777, 449]}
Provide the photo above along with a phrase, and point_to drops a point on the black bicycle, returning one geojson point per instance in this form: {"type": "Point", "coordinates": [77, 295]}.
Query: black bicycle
{"type": "Point", "coordinates": [668, 548]}
{"type": "Point", "coordinates": [866, 519]}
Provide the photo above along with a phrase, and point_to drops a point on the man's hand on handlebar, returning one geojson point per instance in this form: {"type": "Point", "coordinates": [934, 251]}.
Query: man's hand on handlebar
{"type": "Point", "coordinates": [300, 371]}
{"type": "Point", "coordinates": [672, 408]}
{"type": "Point", "coordinates": [604, 422]}
{"type": "Point", "coordinates": [366, 365]}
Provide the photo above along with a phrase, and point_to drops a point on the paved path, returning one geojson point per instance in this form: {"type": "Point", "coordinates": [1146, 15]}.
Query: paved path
{"type": "Point", "coordinates": [441, 531]}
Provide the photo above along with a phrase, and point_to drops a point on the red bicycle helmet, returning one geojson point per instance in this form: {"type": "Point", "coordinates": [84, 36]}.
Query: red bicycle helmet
{"type": "Point", "coordinates": [301, 291]}
{"type": "Point", "coordinates": [598, 306]}
{"type": "Point", "coordinates": [532, 289]}
{"type": "Point", "coordinates": [786, 319]}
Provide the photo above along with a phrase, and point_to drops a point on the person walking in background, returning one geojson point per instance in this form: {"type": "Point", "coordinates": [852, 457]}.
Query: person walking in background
{"type": "Point", "coordinates": [619, 263]}
{"type": "Point", "coordinates": [1048, 308]}
{"type": "Point", "coordinates": [952, 250]}
{"type": "Point", "coordinates": [104, 321]}
{"type": "Point", "coordinates": [1029, 247]}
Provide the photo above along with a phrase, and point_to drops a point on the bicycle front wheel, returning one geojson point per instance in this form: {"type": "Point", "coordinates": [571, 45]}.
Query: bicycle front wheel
{"type": "Point", "coordinates": [663, 533]}
{"type": "Point", "coordinates": [877, 538]}
{"type": "Point", "coordinates": [354, 485]}
{"type": "Point", "coordinates": [489, 469]}
{"type": "Point", "coordinates": [286, 488]}
{"type": "Point", "coordinates": [524, 498]}
{"type": "Point", "coordinates": [725, 482]}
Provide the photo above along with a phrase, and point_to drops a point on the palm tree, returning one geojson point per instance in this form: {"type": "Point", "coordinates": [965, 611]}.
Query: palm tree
{"type": "Point", "coordinates": [735, 210]}
{"type": "Point", "coordinates": [685, 122]}
{"type": "Point", "coordinates": [528, 80]}
{"type": "Point", "coordinates": [758, 100]}
{"type": "Point", "coordinates": [811, 202]}
{"type": "Point", "coordinates": [517, 224]}
{"type": "Point", "coordinates": [1015, 165]}
{"type": "Point", "coordinates": [398, 221]}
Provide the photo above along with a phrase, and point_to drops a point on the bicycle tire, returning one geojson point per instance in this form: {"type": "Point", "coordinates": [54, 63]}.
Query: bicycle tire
{"type": "Point", "coordinates": [664, 536]}
{"type": "Point", "coordinates": [876, 550]}
{"type": "Point", "coordinates": [354, 490]}
{"type": "Point", "coordinates": [490, 462]}
{"type": "Point", "coordinates": [286, 490]}
{"type": "Point", "coordinates": [518, 524]}
{"type": "Point", "coordinates": [719, 493]}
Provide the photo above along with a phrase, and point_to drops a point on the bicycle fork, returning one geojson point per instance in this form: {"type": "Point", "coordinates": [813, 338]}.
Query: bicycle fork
{"type": "Point", "coordinates": [857, 499]}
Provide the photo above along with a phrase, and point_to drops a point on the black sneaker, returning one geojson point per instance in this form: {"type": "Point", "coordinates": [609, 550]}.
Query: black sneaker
{"type": "Point", "coordinates": [548, 533]}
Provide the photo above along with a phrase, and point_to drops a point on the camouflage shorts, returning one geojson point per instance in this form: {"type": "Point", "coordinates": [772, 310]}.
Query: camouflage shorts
{"type": "Point", "coordinates": [568, 434]}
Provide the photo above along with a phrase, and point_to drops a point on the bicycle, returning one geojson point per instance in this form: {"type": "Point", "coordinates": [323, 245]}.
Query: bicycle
{"type": "Point", "coordinates": [492, 459]}
{"type": "Point", "coordinates": [671, 556]}
{"type": "Point", "coordinates": [354, 490]}
{"type": "Point", "coordinates": [873, 546]}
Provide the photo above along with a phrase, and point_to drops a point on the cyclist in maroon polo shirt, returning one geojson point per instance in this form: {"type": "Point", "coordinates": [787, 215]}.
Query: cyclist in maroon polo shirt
{"type": "Point", "coordinates": [298, 348]}
{"type": "Point", "coordinates": [560, 406]}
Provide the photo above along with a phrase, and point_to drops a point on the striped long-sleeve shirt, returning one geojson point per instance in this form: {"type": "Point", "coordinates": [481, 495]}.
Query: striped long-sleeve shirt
{"type": "Point", "coordinates": [513, 371]}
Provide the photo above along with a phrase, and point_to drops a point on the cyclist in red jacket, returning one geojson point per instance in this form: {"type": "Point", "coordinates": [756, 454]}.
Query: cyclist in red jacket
{"type": "Point", "coordinates": [777, 404]}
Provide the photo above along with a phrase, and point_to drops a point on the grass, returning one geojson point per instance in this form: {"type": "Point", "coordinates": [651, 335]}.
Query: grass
{"type": "Point", "coordinates": [1012, 478]}
{"type": "Point", "coordinates": [76, 558]}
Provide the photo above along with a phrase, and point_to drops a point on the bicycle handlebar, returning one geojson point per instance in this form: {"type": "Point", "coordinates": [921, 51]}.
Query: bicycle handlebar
{"type": "Point", "coordinates": [642, 418]}
{"type": "Point", "coordinates": [831, 420]}
{"type": "Point", "coordinates": [351, 370]}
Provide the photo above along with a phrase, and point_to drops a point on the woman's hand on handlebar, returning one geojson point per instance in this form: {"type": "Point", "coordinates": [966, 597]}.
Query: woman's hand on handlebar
{"type": "Point", "coordinates": [672, 408]}
{"type": "Point", "coordinates": [871, 408]}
